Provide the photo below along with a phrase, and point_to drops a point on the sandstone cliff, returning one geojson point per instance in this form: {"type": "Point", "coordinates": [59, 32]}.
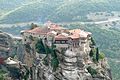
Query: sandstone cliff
{"type": "Point", "coordinates": [57, 53]}
{"type": "Point", "coordinates": [6, 43]}
{"type": "Point", "coordinates": [74, 64]}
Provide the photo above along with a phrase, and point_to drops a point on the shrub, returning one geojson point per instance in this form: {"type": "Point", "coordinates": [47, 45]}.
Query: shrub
{"type": "Point", "coordinates": [93, 42]}
{"type": "Point", "coordinates": [97, 54]}
{"type": "Point", "coordinates": [14, 72]}
{"type": "Point", "coordinates": [91, 71]}
{"type": "Point", "coordinates": [91, 53]}
{"type": "Point", "coordinates": [33, 26]}
{"type": "Point", "coordinates": [2, 72]}
{"type": "Point", "coordinates": [101, 55]}
{"type": "Point", "coordinates": [39, 46]}
{"type": "Point", "coordinates": [43, 48]}
{"type": "Point", "coordinates": [54, 63]}
{"type": "Point", "coordinates": [94, 59]}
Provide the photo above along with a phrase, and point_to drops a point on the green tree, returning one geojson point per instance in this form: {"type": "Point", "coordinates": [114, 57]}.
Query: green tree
{"type": "Point", "coordinates": [39, 46]}
{"type": "Point", "coordinates": [93, 42]}
{"type": "Point", "coordinates": [33, 26]}
{"type": "Point", "coordinates": [97, 54]}
{"type": "Point", "coordinates": [91, 71]}
{"type": "Point", "coordinates": [14, 72]}
{"type": "Point", "coordinates": [54, 63]}
{"type": "Point", "coordinates": [101, 55]}
{"type": "Point", "coordinates": [91, 53]}
{"type": "Point", "coordinates": [2, 72]}
{"type": "Point", "coordinates": [94, 59]}
{"type": "Point", "coordinates": [43, 48]}
{"type": "Point", "coordinates": [2, 77]}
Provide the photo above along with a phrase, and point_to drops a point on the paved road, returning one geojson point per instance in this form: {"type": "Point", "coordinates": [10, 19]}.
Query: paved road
{"type": "Point", "coordinates": [63, 23]}
{"type": "Point", "coordinates": [97, 22]}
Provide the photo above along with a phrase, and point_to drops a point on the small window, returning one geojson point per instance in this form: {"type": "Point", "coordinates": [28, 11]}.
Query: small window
{"type": "Point", "coordinates": [63, 42]}
{"type": "Point", "coordinates": [57, 42]}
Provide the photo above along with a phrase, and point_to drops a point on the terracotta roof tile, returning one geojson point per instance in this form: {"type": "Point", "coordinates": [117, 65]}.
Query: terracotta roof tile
{"type": "Point", "coordinates": [74, 36]}
{"type": "Point", "coordinates": [61, 37]}
{"type": "Point", "coordinates": [55, 27]}
{"type": "Point", "coordinates": [52, 32]}
{"type": "Point", "coordinates": [38, 30]}
{"type": "Point", "coordinates": [76, 31]}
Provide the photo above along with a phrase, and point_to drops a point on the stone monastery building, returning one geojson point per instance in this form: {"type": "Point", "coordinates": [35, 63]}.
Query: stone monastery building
{"type": "Point", "coordinates": [61, 37]}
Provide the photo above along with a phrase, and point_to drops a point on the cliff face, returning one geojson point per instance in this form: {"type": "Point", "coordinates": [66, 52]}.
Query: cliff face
{"type": "Point", "coordinates": [56, 53]}
{"type": "Point", "coordinates": [74, 64]}
{"type": "Point", "coordinates": [11, 46]}
{"type": "Point", "coordinates": [5, 44]}
{"type": "Point", "coordinates": [73, 67]}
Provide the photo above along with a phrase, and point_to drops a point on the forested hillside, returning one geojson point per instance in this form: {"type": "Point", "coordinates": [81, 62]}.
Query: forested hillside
{"type": "Point", "coordinates": [55, 10]}
{"type": "Point", "coordinates": [108, 40]}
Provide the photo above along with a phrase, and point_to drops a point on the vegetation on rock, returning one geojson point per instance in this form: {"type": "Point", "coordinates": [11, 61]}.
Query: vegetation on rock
{"type": "Point", "coordinates": [14, 72]}
{"type": "Point", "coordinates": [91, 53]}
{"type": "Point", "coordinates": [92, 42]}
{"type": "Point", "coordinates": [2, 73]}
{"type": "Point", "coordinates": [97, 54]}
{"type": "Point", "coordinates": [40, 47]}
{"type": "Point", "coordinates": [33, 26]}
{"type": "Point", "coordinates": [101, 55]}
{"type": "Point", "coordinates": [27, 47]}
{"type": "Point", "coordinates": [44, 49]}
{"type": "Point", "coordinates": [92, 71]}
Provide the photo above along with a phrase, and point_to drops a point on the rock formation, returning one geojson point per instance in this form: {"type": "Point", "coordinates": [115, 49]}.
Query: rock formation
{"type": "Point", "coordinates": [75, 52]}
{"type": "Point", "coordinates": [56, 53]}
{"type": "Point", "coordinates": [6, 42]}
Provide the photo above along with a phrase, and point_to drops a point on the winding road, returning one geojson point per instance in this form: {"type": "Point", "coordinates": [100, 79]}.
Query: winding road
{"type": "Point", "coordinates": [62, 23]}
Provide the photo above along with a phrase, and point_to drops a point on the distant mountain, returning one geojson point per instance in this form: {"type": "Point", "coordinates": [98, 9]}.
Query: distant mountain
{"type": "Point", "coordinates": [20, 11]}
{"type": "Point", "coordinates": [55, 10]}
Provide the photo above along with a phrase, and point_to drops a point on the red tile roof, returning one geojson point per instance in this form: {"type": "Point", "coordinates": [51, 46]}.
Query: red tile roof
{"type": "Point", "coordinates": [61, 37]}
{"type": "Point", "coordinates": [52, 32]}
{"type": "Point", "coordinates": [55, 27]}
{"type": "Point", "coordinates": [45, 29]}
{"type": "Point", "coordinates": [38, 30]}
{"type": "Point", "coordinates": [75, 31]}
{"type": "Point", "coordinates": [74, 36]}
{"type": "Point", "coordinates": [79, 32]}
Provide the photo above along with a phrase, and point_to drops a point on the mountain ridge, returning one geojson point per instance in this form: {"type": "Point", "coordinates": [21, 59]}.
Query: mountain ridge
{"type": "Point", "coordinates": [59, 11]}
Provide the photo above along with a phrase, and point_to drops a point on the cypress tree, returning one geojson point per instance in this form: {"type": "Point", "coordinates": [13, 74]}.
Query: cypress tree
{"type": "Point", "coordinates": [97, 54]}
{"type": "Point", "coordinates": [91, 53]}
{"type": "Point", "coordinates": [40, 47]}
{"type": "Point", "coordinates": [54, 60]}
{"type": "Point", "coordinates": [93, 42]}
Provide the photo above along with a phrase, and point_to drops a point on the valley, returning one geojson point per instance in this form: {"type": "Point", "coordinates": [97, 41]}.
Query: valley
{"type": "Point", "coordinates": [83, 14]}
